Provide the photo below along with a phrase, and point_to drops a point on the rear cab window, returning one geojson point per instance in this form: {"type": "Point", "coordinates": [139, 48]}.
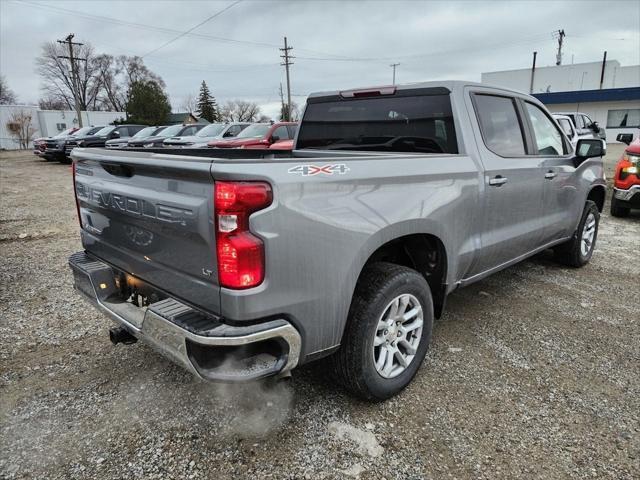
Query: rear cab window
{"type": "Point", "coordinates": [402, 122]}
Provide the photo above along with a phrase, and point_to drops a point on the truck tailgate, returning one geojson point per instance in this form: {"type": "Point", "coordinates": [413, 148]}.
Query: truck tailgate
{"type": "Point", "coordinates": [151, 216]}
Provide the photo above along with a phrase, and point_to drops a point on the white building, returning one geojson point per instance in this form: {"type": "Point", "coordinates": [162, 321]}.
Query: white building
{"type": "Point", "coordinates": [608, 93]}
{"type": "Point", "coordinates": [49, 122]}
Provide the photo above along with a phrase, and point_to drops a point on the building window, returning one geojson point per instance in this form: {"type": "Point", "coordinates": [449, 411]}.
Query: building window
{"type": "Point", "coordinates": [623, 118]}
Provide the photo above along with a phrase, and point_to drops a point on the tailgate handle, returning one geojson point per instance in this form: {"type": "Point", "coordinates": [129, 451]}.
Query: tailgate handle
{"type": "Point", "coordinates": [118, 169]}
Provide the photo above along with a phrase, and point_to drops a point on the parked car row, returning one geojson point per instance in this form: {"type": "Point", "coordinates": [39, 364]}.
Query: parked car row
{"type": "Point", "coordinates": [277, 136]}
{"type": "Point", "coordinates": [577, 125]}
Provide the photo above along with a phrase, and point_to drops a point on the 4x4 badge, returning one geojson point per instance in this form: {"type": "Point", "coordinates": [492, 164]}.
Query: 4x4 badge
{"type": "Point", "coordinates": [308, 170]}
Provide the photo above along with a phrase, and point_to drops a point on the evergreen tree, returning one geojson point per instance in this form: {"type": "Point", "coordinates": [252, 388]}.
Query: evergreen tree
{"type": "Point", "coordinates": [147, 103]}
{"type": "Point", "coordinates": [207, 106]}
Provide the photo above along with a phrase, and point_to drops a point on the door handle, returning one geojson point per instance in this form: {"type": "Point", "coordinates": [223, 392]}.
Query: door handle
{"type": "Point", "coordinates": [498, 180]}
{"type": "Point", "coordinates": [550, 175]}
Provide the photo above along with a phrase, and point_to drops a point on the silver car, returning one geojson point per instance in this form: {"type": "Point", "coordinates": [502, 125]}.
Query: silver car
{"type": "Point", "coordinates": [214, 131]}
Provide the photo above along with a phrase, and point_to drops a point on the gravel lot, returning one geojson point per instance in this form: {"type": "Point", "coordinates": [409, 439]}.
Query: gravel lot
{"type": "Point", "coordinates": [533, 373]}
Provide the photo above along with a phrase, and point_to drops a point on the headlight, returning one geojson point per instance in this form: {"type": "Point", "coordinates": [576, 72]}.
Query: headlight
{"type": "Point", "coordinates": [80, 144]}
{"type": "Point", "coordinates": [148, 145]}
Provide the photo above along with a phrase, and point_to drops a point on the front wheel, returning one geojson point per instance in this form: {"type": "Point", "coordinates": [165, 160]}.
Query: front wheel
{"type": "Point", "coordinates": [617, 210]}
{"type": "Point", "coordinates": [387, 334]}
{"type": "Point", "coordinates": [578, 251]}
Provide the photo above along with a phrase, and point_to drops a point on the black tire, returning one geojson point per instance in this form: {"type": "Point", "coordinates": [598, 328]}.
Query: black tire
{"type": "Point", "coordinates": [353, 364]}
{"type": "Point", "coordinates": [570, 253]}
{"type": "Point", "coordinates": [618, 210]}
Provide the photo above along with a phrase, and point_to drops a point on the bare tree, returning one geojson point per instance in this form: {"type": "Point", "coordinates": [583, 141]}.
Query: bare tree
{"type": "Point", "coordinates": [117, 74]}
{"type": "Point", "coordinates": [189, 103]}
{"type": "Point", "coordinates": [21, 128]}
{"type": "Point", "coordinates": [240, 111]}
{"type": "Point", "coordinates": [7, 97]}
{"type": "Point", "coordinates": [295, 112]}
{"type": "Point", "coordinates": [51, 103]}
{"type": "Point", "coordinates": [58, 82]}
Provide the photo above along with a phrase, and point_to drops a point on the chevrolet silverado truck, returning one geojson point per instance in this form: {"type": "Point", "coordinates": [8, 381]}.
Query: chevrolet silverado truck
{"type": "Point", "coordinates": [242, 264]}
{"type": "Point", "coordinates": [56, 147]}
{"type": "Point", "coordinates": [626, 179]}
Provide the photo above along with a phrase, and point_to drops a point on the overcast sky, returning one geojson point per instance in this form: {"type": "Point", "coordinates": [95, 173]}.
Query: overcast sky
{"type": "Point", "coordinates": [338, 44]}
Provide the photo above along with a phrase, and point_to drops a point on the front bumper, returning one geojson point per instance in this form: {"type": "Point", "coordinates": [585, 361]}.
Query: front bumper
{"type": "Point", "coordinates": [631, 195]}
{"type": "Point", "coordinates": [205, 346]}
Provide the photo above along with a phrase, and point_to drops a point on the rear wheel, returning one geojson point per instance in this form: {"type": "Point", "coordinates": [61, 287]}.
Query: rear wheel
{"type": "Point", "coordinates": [617, 209]}
{"type": "Point", "coordinates": [387, 334]}
{"type": "Point", "coordinates": [578, 251]}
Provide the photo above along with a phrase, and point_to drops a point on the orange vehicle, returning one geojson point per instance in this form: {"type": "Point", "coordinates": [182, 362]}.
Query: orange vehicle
{"type": "Point", "coordinates": [626, 181]}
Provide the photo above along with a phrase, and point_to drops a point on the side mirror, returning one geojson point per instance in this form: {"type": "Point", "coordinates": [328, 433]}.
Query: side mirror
{"type": "Point", "coordinates": [274, 138]}
{"type": "Point", "coordinates": [115, 134]}
{"type": "Point", "coordinates": [228, 134]}
{"type": "Point", "coordinates": [588, 148]}
{"type": "Point", "coordinates": [625, 138]}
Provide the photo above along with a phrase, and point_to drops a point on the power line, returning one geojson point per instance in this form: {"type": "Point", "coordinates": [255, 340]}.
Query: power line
{"type": "Point", "coordinates": [116, 21]}
{"type": "Point", "coordinates": [220, 12]}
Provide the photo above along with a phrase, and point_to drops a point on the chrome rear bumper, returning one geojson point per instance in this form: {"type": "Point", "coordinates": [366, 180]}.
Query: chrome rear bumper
{"type": "Point", "coordinates": [206, 347]}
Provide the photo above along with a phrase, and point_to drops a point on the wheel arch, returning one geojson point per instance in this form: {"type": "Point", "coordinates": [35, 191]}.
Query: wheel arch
{"type": "Point", "coordinates": [597, 194]}
{"type": "Point", "coordinates": [423, 252]}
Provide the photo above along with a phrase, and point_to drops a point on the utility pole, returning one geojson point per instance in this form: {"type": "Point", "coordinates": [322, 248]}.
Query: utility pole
{"type": "Point", "coordinates": [282, 110]}
{"type": "Point", "coordinates": [561, 36]}
{"type": "Point", "coordinates": [75, 80]}
{"type": "Point", "coordinates": [533, 71]}
{"type": "Point", "coordinates": [287, 62]}
{"type": "Point", "coordinates": [394, 65]}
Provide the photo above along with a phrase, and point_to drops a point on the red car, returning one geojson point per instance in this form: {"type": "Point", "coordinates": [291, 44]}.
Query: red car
{"type": "Point", "coordinates": [626, 181]}
{"type": "Point", "coordinates": [282, 145]}
{"type": "Point", "coordinates": [259, 136]}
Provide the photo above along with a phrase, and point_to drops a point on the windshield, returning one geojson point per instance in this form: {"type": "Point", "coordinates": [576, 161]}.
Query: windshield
{"type": "Point", "coordinates": [105, 131]}
{"type": "Point", "coordinates": [64, 133]}
{"type": "Point", "coordinates": [170, 131]}
{"type": "Point", "coordinates": [145, 132]}
{"type": "Point", "coordinates": [211, 130]}
{"type": "Point", "coordinates": [257, 130]}
{"type": "Point", "coordinates": [412, 123]}
{"type": "Point", "coordinates": [83, 131]}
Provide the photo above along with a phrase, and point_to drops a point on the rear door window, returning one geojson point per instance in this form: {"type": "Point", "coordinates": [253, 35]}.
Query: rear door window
{"type": "Point", "coordinates": [123, 131]}
{"type": "Point", "coordinates": [500, 125]}
{"type": "Point", "coordinates": [409, 123]}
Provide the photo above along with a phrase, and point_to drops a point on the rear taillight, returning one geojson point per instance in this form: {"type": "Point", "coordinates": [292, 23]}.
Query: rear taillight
{"type": "Point", "coordinates": [240, 253]}
{"type": "Point", "coordinates": [75, 193]}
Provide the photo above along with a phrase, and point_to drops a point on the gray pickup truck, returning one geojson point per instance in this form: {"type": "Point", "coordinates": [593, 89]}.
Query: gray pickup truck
{"type": "Point", "coordinates": [241, 264]}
